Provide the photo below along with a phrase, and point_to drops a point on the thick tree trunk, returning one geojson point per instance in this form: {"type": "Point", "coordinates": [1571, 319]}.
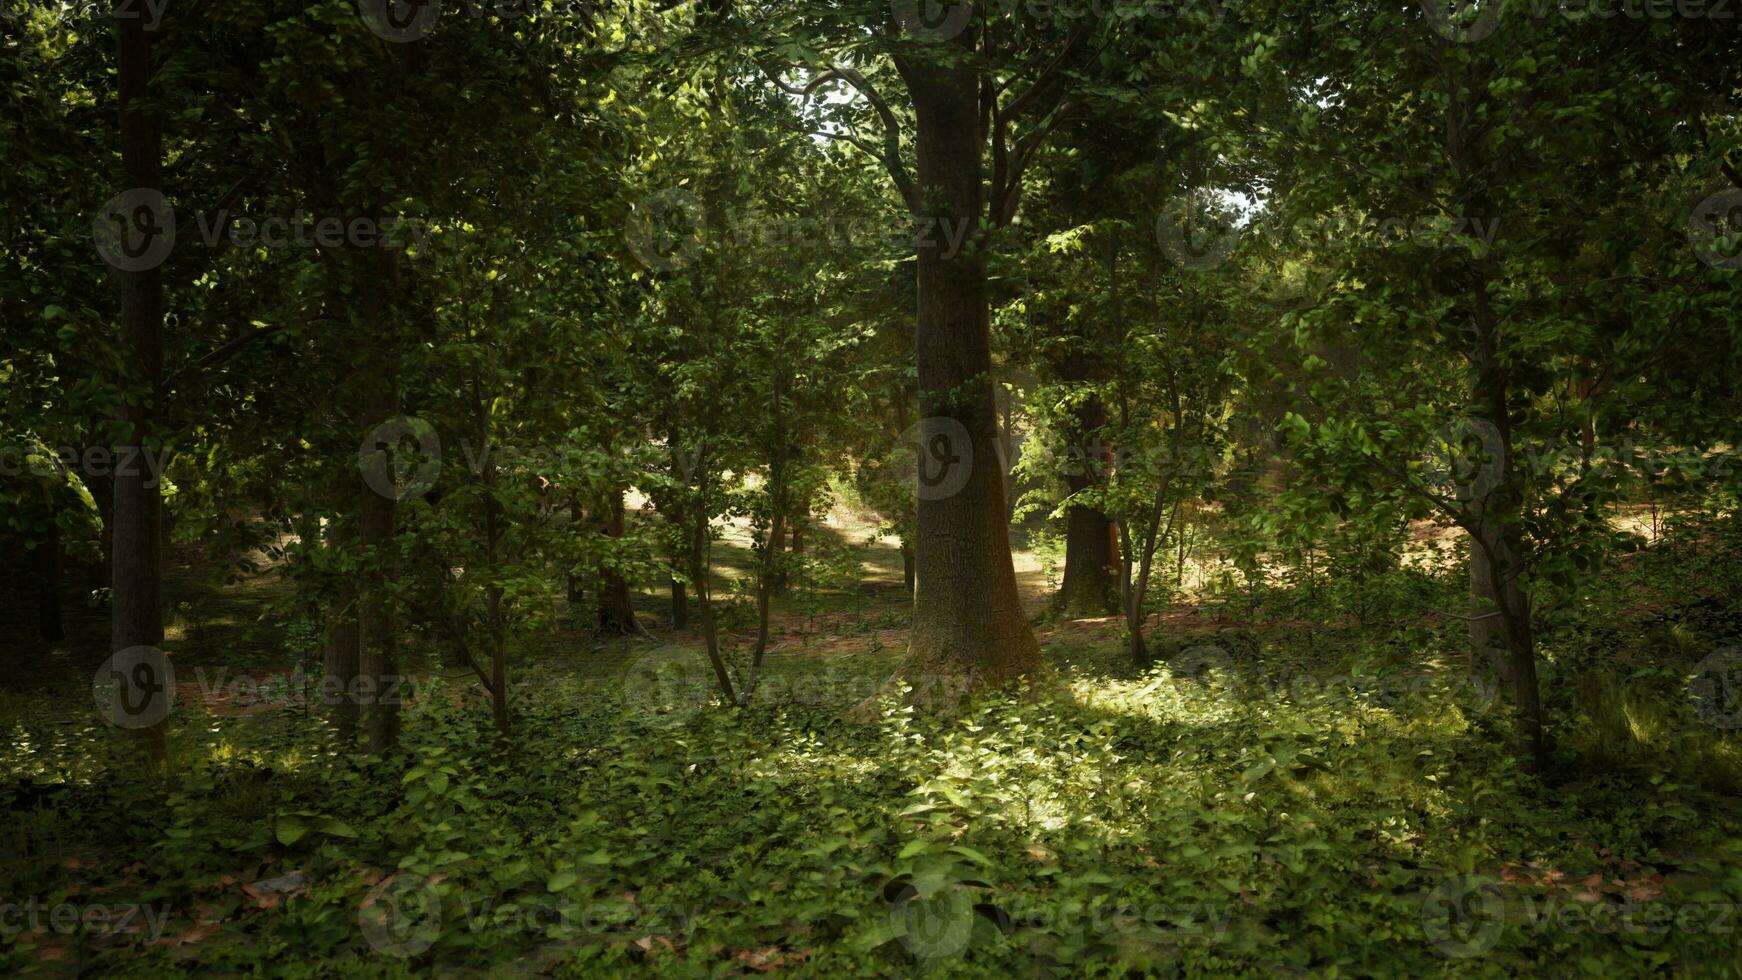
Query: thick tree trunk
{"type": "Point", "coordinates": [1090, 586]}
{"type": "Point", "coordinates": [616, 610]}
{"type": "Point", "coordinates": [46, 562]}
{"type": "Point", "coordinates": [969, 628]}
{"type": "Point", "coordinates": [135, 551]}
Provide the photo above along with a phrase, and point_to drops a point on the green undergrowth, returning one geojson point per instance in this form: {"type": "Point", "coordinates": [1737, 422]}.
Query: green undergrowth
{"type": "Point", "coordinates": [1260, 807]}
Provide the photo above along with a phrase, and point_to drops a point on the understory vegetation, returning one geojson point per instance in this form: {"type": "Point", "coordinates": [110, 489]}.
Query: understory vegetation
{"type": "Point", "coordinates": [870, 488]}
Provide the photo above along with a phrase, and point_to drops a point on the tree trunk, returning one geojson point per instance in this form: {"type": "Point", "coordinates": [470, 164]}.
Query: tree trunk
{"type": "Point", "coordinates": [680, 604]}
{"type": "Point", "coordinates": [376, 528]}
{"type": "Point", "coordinates": [908, 572]}
{"type": "Point", "coordinates": [46, 561]}
{"type": "Point", "coordinates": [1090, 586]}
{"type": "Point", "coordinates": [704, 598]}
{"type": "Point", "coordinates": [616, 610]}
{"type": "Point", "coordinates": [137, 577]}
{"type": "Point", "coordinates": [1488, 646]}
{"type": "Point", "coordinates": [969, 628]}
{"type": "Point", "coordinates": [340, 663]}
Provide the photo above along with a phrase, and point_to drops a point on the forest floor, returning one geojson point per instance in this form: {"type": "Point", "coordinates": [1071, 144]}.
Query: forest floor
{"type": "Point", "coordinates": [1294, 789]}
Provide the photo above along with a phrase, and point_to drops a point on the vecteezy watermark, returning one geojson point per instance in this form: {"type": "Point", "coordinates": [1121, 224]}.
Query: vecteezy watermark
{"type": "Point", "coordinates": [404, 21]}
{"type": "Point", "coordinates": [1200, 229]}
{"type": "Point", "coordinates": [1467, 456]}
{"type": "Point", "coordinates": [666, 230]}
{"type": "Point", "coordinates": [97, 461]}
{"type": "Point", "coordinates": [135, 688]}
{"type": "Point", "coordinates": [934, 916]}
{"type": "Point", "coordinates": [941, 458]}
{"type": "Point", "coordinates": [1715, 229]}
{"type": "Point", "coordinates": [1467, 916]}
{"type": "Point", "coordinates": [936, 21]}
{"type": "Point", "coordinates": [665, 688]}
{"type": "Point", "coordinates": [400, 21]}
{"type": "Point", "coordinates": [143, 922]}
{"type": "Point", "coordinates": [932, 21]}
{"type": "Point", "coordinates": [402, 916]}
{"type": "Point", "coordinates": [136, 230]}
{"type": "Point", "coordinates": [395, 471]}
{"type": "Point", "coordinates": [305, 231]}
{"type": "Point", "coordinates": [1462, 21]}
{"type": "Point", "coordinates": [284, 690]}
{"type": "Point", "coordinates": [1196, 230]}
{"type": "Point", "coordinates": [1716, 688]}
{"type": "Point", "coordinates": [1468, 21]}
{"type": "Point", "coordinates": [67, 11]}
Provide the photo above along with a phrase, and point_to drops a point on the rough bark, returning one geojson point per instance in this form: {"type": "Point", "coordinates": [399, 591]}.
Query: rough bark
{"type": "Point", "coordinates": [969, 628]}
{"type": "Point", "coordinates": [137, 574]}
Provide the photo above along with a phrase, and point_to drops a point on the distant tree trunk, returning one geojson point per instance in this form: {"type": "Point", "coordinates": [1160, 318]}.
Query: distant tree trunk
{"type": "Point", "coordinates": [1090, 586]}
{"type": "Point", "coordinates": [571, 581]}
{"type": "Point", "coordinates": [798, 523]}
{"type": "Point", "coordinates": [704, 598]}
{"type": "Point", "coordinates": [680, 604]}
{"type": "Point", "coordinates": [1503, 536]}
{"type": "Point", "coordinates": [137, 539]}
{"type": "Point", "coordinates": [764, 599]}
{"type": "Point", "coordinates": [46, 562]}
{"type": "Point", "coordinates": [908, 567]}
{"type": "Point", "coordinates": [341, 662]}
{"type": "Point", "coordinates": [376, 528]}
{"type": "Point", "coordinates": [969, 628]}
{"type": "Point", "coordinates": [1488, 646]}
{"type": "Point", "coordinates": [616, 610]}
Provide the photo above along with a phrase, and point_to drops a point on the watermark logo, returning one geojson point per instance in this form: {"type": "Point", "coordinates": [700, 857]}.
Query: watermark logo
{"type": "Point", "coordinates": [391, 469]}
{"type": "Point", "coordinates": [1463, 917]}
{"type": "Point", "coordinates": [402, 916]}
{"type": "Point", "coordinates": [1715, 229]}
{"type": "Point", "coordinates": [942, 457]}
{"type": "Point", "coordinates": [1200, 660]}
{"type": "Point", "coordinates": [1195, 232]}
{"type": "Point", "coordinates": [400, 21]}
{"type": "Point", "coordinates": [135, 230]}
{"type": "Point", "coordinates": [1462, 21]}
{"type": "Point", "coordinates": [1716, 689]}
{"type": "Point", "coordinates": [934, 916]}
{"type": "Point", "coordinates": [664, 231]}
{"type": "Point", "coordinates": [666, 688]}
{"type": "Point", "coordinates": [1467, 455]}
{"type": "Point", "coordinates": [135, 688]}
{"type": "Point", "coordinates": [932, 21]}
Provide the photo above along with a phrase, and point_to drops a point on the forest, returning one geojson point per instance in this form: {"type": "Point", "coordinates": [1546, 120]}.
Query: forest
{"type": "Point", "coordinates": [959, 488]}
